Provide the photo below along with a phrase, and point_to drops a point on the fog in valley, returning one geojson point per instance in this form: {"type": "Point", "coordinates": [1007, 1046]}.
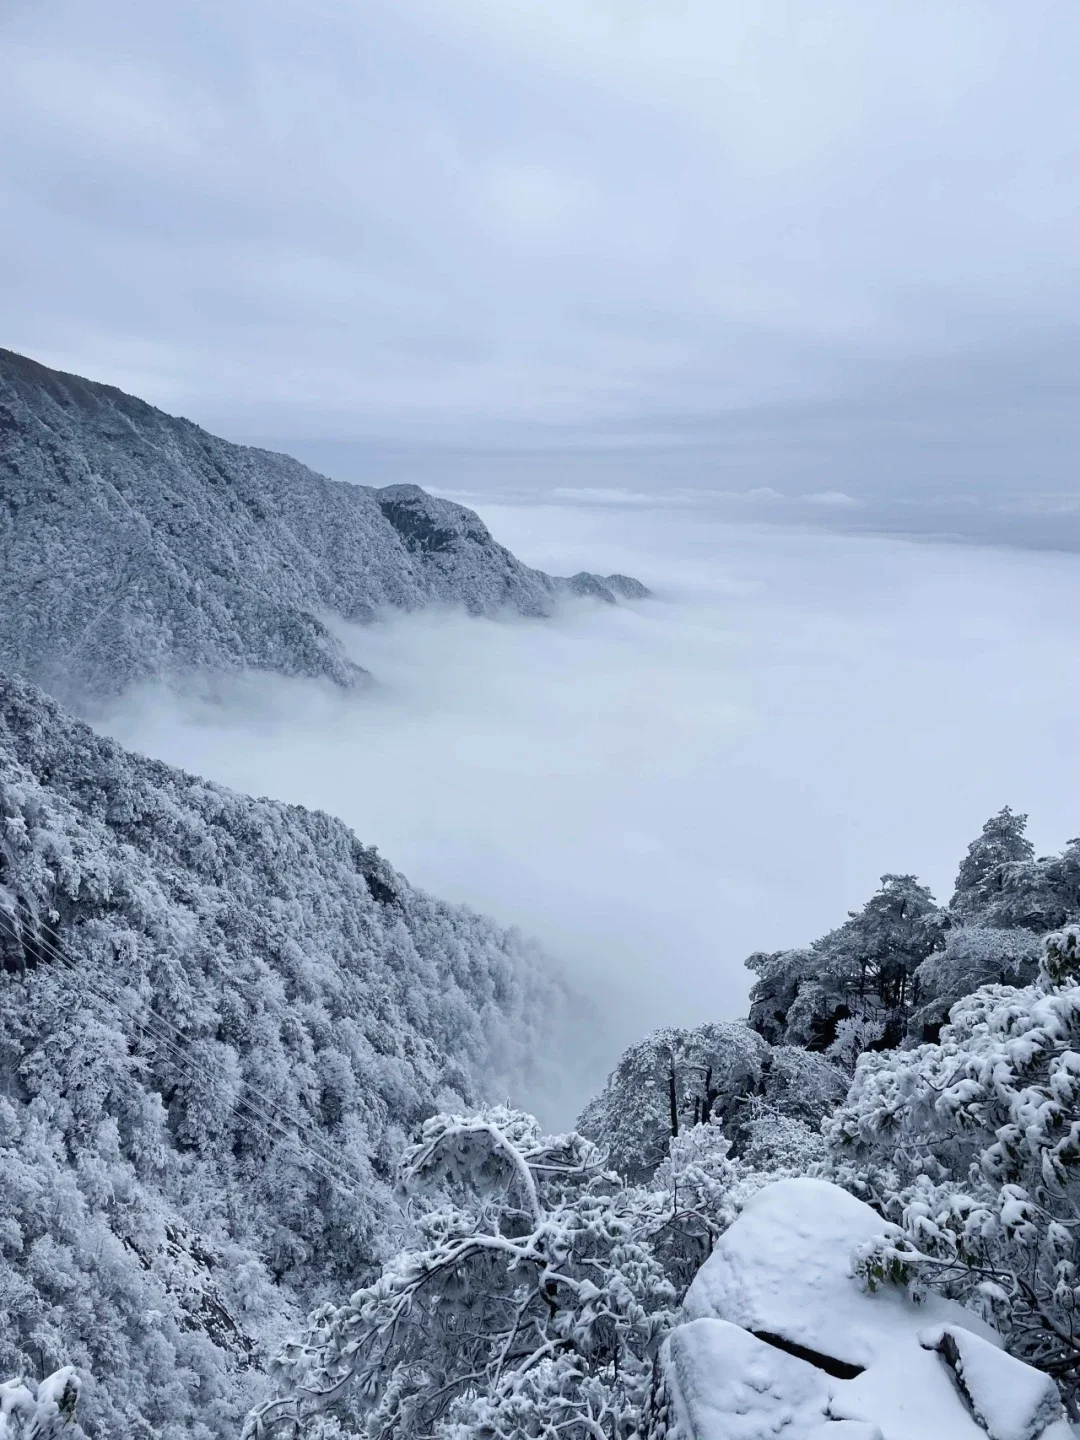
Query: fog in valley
{"type": "Point", "coordinates": [658, 789]}
{"type": "Point", "coordinates": [775, 309]}
{"type": "Point", "coordinates": [379, 1060]}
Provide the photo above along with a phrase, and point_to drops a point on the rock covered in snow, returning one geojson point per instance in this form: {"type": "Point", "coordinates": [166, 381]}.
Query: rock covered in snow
{"type": "Point", "coordinates": [133, 544]}
{"type": "Point", "coordinates": [784, 1268]}
{"type": "Point", "coordinates": [781, 1339]}
{"type": "Point", "coordinates": [1009, 1399]}
{"type": "Point", "coordinates": [724, 1382]}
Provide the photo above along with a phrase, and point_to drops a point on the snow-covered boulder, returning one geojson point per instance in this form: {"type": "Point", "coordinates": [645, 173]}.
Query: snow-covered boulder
{"type": "Point", "coordinates": [784, 1269]}
{"type": "Point", "coordinates": [725, 1384]}
{"type": "Point", "coordinates": [781, 1338]}
{"type": "Point", "coordinates": [1010, 1400]}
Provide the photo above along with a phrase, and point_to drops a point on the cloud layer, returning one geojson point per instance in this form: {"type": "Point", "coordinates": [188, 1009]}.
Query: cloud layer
{"type": "Point", "coordinates": [657, 790]}
{"type": "Point", "coordinates": [490, 217]}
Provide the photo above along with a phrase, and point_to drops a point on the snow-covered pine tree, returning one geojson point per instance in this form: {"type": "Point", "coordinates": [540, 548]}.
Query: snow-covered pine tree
{"type": "Point", "coordinates": [1003, 842]}
{"type": "Point", "coordinates": [1002, 885]}
{"type": "Point", "coordinates": [855, 987]}
{"type": "Point", "coordinates": [45, 1411]}
{"type": "Point", "coordinates": [677, 1078]}
{"type": "Point", "coordinates": [972, 1146]}
{"type": "Point", "coordinates": [972, 956]}
{"type": "Point", "coordinates": [668, 1082]}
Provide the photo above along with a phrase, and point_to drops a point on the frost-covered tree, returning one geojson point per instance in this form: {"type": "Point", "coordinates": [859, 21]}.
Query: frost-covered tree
{"type": "Point", "coordinates": [702, 1185]}
{"type": "Point", "coordinates": [863, 970]}
{"type": "Point", "coordinates": [900, 963]}
{"type": "Point", "coordinates": [972, 956]}
{"type": "Point", "coordinates": [972, 1146]}
{"type": "Point", "coordinates": [676, 1079]}
{"type": "Point", "coordinates": [874, 955]}
{"type": "Point", "coordinates": [45, 1411]}
{"type": "Point", "coordinates": [1002, 885]}
{"type": "Point", "coordinates": [1003, 842]}
{"type": "Point", "coordinates": [775, 1143]}
{"type": "Point", "coordinates": [668, 1082]}
{"type": "Point", "coordinates": [534, 1303]}
{"type": "Point", "coordinates": [799, 1084]}
{"type": "Point", "coordinates": [1040, 895]}
{"type": "Point", "coordinates": [780, 976]}
{"type": "Point", "coordinates": [539, 1291]}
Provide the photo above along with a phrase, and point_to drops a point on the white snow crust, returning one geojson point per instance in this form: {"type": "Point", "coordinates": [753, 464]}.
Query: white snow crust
{"type": "Point", "coordinates": [1011, 1400]}
{"type": "Point", "coordinates": [782, 1274]}
{"type": "Point", "coordinates": [726, 1383]}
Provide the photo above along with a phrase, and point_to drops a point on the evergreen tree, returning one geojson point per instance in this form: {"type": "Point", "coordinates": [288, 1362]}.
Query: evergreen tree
{"type": "Point", "coordinates": [43, 1412]}
{"type": "Point", "coordinates": [973, 955]}
{"type": "Point", "coordinates": [668, 1082]}
{"type": "Point", "coordinates": [1003, 842]}
{"type": "Point", "coordinates": [863, 971]}
{"type": "Point", "coordinates": [972, 1147]}
{"type": "Point", "coordinates": [676, 1079]}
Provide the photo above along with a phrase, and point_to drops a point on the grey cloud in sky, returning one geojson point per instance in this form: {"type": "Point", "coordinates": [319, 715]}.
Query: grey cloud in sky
{"type": "Point", "coordinates": [508, 222]}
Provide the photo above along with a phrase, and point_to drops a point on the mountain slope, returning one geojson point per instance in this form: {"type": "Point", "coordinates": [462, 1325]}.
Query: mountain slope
{"type": "Point", "coordinates": [218, 1015]}
{"type": "Point", "coordinates": [134, 544]}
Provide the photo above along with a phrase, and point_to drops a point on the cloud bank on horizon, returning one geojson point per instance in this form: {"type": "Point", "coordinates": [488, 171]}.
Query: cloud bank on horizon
{"type": "Point", "coordinates": [840, 239]}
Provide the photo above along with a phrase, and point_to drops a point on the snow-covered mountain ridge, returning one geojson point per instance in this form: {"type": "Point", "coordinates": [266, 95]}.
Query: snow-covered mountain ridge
{"type": "Point", "coordinates": [219, 1018]}
{"type": "Point", "coordinates": [134, 544]}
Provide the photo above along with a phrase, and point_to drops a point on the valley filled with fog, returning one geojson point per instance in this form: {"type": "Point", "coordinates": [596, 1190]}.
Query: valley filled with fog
{"type": "Point", "coordinates": [539, 673]}
{"type": "Point", "coordinates": [655, 790]}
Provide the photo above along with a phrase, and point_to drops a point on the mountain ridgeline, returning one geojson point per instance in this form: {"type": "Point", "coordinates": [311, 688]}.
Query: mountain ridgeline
{"type": "Point", "coordinates": [220, 1017]}
{"type": "Point", "coordinates": [135, 545]}
{"type": "Point", "coordinates": [223, 1019]}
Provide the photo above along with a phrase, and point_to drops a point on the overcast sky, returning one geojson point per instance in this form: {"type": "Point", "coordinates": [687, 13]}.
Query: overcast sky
{"type": "Point", "coordinates": [844, 229]}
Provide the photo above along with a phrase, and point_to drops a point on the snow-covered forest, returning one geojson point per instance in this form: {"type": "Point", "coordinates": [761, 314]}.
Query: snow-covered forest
{"type": "Point", "coordinates": [262, 1173]}
{"type": "Point", "coordinates": [255, 1178]}
{"type": "Point", "coordinates": [220, 1021]}
{"type": "Point", "coordinates": [855, 1215]}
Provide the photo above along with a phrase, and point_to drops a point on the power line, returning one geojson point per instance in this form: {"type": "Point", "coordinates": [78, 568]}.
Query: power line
{"type": "Point", "coordinates": [260, 1113]}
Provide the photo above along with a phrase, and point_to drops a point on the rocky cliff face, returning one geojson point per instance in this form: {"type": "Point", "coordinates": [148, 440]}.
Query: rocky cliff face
{"type": "Point", "coordinates": [134, 545]}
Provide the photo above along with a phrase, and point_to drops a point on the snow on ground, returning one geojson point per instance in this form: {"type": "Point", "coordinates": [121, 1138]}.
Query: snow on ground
{"type": "Point", "coordinates": [1011, 1400]}
{"type": "Point", "coordinates": [784, 1268]}
{"type": "Point", "coordinates": [781, 1338]}
{"type": "Point", "coordinates": [726, 1383]}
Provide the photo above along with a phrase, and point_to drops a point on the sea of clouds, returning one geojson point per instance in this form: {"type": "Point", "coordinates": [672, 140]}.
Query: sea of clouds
{"type": "Point", "coordinates": [658, 789]}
